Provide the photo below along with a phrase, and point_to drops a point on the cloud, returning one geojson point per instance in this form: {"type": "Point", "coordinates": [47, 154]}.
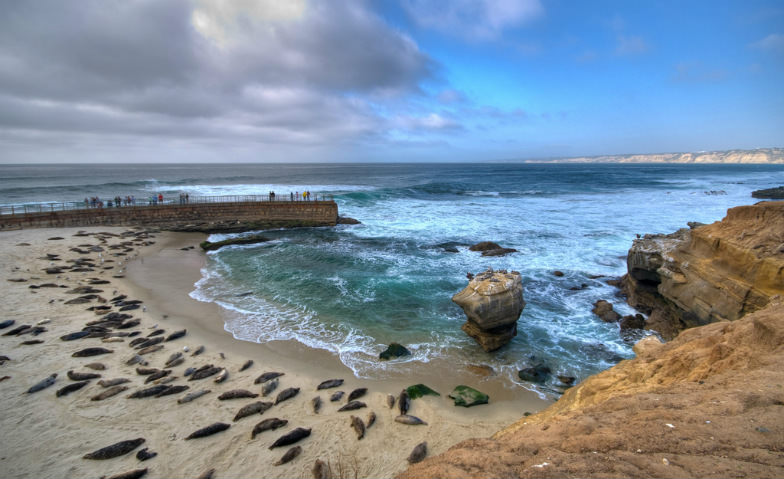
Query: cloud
{"type": "Point", "coordinates": [297, 73]}
{"type": "Point", "coordinates": [697, 72]}
{"type": "Point", "coordinates": [773, 42]}
{"type": "Point", "coordinates": [472, 19]}
{"type": "Point", "coordinates": [631, 45]}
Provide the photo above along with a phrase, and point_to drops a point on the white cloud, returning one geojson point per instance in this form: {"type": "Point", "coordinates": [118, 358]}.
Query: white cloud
{"type": "Point", "coordinates": [772, 42]}
{"type": "Point", "coordinates": [472, 19]}
{"type": "Point", "coordinates": [631, 45]}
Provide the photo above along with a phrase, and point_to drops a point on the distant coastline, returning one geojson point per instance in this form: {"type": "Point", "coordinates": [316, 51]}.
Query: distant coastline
{"type": "Point", "coordinates": [762, 156]}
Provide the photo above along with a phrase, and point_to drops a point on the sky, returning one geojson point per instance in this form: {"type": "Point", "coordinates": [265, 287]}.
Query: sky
{"type": "Point", "coordinates": [162, 81]}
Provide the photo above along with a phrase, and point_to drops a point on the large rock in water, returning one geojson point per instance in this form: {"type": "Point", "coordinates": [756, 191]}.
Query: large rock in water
{"type": "Point", "coordinates": [492, 301]}
{"type": "Point", "coordinates": [715, 272]}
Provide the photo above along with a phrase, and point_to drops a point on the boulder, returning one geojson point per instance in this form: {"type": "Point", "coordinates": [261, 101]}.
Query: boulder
{"type": "Point", "coordinates": [467, 396]}
{"type": "Point", "coordinates": [492, 302]}
{"type": "Point", "coordinates": [769, 194]}
{"type": "Point", "coordinates": [345, 220]}
{"type": "Point", "coordinates": [393, 351]}
{"type": "Point", "coordinates": [418, 390]}
{"type": "Point", "coordinates": [488, 248]}
{"type": "Point", "coordinates": [253, 239]}
{"type": "Point", "coordinates": [535, 374]}
{"type": "Point", "coordinates": [632, 322]}
{"type": "Point", "coordinates": [604, 309]}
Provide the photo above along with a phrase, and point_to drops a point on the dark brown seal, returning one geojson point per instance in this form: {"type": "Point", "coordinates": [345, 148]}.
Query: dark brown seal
{"type": "Point", "coordinates": [116, 449]}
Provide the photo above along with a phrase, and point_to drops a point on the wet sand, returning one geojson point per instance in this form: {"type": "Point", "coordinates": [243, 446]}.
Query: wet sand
{"type": "Point", "coordinates": [46, 436]}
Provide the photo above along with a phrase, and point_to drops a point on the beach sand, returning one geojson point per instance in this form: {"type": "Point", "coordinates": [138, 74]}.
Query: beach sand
{"type": "Point", "coordinates": [46, 436]}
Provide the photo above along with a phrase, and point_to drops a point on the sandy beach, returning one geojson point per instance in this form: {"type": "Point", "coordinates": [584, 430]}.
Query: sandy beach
{"type": "Point", "coordinates": [47, 436]}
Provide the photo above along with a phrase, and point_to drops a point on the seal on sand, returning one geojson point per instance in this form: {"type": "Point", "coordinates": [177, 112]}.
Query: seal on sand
{"type": "Point", "coordinates": [267, 425]}
{"type": "Point", "coordinates": [358, 426]}
{"type": "Point", "coordinates": [258, 407]}
{"type": "Point", "coordinates": [289, 456]}
{"type": "Point", "coordinates": [116, 449]}
{"type": "Point", "coordinates": [209, 430]}
{"type": "Point", "coordinates": [237, 394]}
{"type": "Point", "coordinates": [43, 384]}
{"type": "Point", "coordinates": [419, 453]}
{"type": "Point", "coordinates": [65, 390]}
{"type": "Point", "coordinates": [290, 438]}
{"type": "Point", "coordinates": [286, 394]}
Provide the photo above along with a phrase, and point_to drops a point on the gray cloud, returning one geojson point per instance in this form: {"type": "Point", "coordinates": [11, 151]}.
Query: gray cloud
{"type": "Point", "coordinates": [258, 72]}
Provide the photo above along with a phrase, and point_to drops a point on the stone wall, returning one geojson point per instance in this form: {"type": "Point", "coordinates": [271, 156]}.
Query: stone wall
{"type": "Point", "coordinates": [206, 217]}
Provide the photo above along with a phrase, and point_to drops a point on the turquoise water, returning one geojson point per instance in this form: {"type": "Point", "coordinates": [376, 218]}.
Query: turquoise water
{"type": "Point", "coordinates": [353, 289]}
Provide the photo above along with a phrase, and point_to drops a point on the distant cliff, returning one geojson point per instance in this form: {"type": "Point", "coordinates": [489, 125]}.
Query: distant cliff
{"type": "Point", "coordinates": [758, 156]}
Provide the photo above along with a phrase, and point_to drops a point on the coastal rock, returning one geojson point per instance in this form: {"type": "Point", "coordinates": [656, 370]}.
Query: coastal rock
{"type": "Point", "coordinates": [345, 220]}
{"type": "Point", "coordinates": [418, 390]}
{"type": "Point", "coordinates": [604, 309]}
{"type": "Point", "coordinates": [252, 239]}
{"type": "Point", "coordinates": [636, 321]}
{"type": "Point", "coordinates": [769, 193]}
{"type": "Point", "coordinates": [393, 351]}
{"type": "Point", "coordinates": [467, 396]}
{"type": "Point", "coordinates": [535, 374]}
{"type": "Point", "coordinates": [715, 272]}
{"type": "Point", "coordinates": [488, 248]}
{"type": "Point", "coordinates": [492, 302]}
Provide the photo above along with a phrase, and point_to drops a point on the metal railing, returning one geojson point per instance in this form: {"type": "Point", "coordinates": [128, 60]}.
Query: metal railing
{"type": "Point", "coordinates": [100, 204]}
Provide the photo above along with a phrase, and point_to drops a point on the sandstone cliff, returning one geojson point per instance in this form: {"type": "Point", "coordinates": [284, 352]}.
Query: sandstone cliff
{"type": "Point", "coordinates": [708, 404]}
{"type": "Point", "coordinates": [759, 156]}
{"type": "Point", "coordinates": [711, 273]}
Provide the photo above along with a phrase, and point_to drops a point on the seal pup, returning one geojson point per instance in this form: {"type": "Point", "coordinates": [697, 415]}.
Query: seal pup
{"type": "Point", "coordinates": [267, 425]}
{"type": "Point", "coordinates": [189, 371]}
{"type": "Point", "coordinates": [321, 470]}
{"type": "Point", "coordinates": [286, 394]}
{"type": "Point", "coordinates": [112, 391]}
{"type": "Point", "coordinates": [356, 394]}
{"type": "Point", "coordinates": [294, 436]}
{"type": "Point", "coordinates": [145, 454]}
{"type": "Point", "coordinates": [419, 453]}
{"type": "Point", "coordinates": [353, 405]}
{"type": "Point", "coordinates": [358, 426]}
{"type": "Point", "coordinates": [290, 455]}
{"type": "Point", "coordinates": [96, 366]}
{"type": "Point", "coordinates": [336, 396]}
{"type": "Point", "coordinates": [370, 420]}
{"type": "Point", "coordinates": [267, 376]}
{"type": "Point", "coordinates": [43, 384]}
{"type": "Point", "coordinates": [269, 386]}
{"type": "Point", "coordinates": [246, 365]}
{"type": "Point", "coordinates": [115, 450]}
{"type": "Point", "coordinates": [410, 420]}
{"type": "Point", "coordinates": [68, 389]}
{"type": "Point", "coordinates": [237, 394]}
{"type": "Point", "coordinates": [194, 395]}
{"type": "Point", "coordinates": [258, 407]}
{"type": "Point", "coordinates": [316, 403]}
{"type": "Point", "coordinates": [209, 430]}
{"type": "Point", "coordinates": [198, 351]}
{"type": "Point", "coordinates": [403, 402]}
{"type": "Point", "coordinates": [222, 375]}
{"type": "Point", "coordinates": [329, 383]}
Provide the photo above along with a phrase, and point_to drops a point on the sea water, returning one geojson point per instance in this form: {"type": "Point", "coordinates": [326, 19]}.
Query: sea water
{"type": "Point", "coordinates": [353, 289]}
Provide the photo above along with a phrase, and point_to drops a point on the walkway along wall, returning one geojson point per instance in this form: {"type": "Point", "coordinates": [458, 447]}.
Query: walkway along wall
{"type": "Point", "coordinates": [204, 217]}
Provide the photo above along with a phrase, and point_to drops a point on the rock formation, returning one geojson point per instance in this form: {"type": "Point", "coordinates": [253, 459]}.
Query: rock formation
{"type": "Point", "coordinates": [770, 193]}
{"type": "Point", "coordinates": [492, 301]}
{"type": "Point", "coordinates": [707, 404]}
{"type": "Point", "coordinates": [710, 273]}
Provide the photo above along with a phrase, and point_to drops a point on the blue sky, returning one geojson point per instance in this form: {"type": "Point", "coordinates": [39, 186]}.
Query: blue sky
{"type": "Point", "coordinates": [409, 80]}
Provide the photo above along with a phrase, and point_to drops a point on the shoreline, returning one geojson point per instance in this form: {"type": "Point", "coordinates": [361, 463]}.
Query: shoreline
{"type": "Point", "coordinates": [162, 275]}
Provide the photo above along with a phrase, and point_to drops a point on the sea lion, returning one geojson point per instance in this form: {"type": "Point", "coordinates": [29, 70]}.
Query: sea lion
{"type": "Point", "coordinates": [316, 403]}
{"type": "Point", "coordinates": [194, 395]}
{"type": "Point", "coordinates": [329, 383]}
{"type": "Point", "coordinates": [112, 391]}
{"type": "Point", "coordinates": [202, 373]}
{"type": "Point", "coordinates": [150, 391]}
{"type": "Point", "coordinates": [267, 425]}
{"type": "Point", "coordinates": [410, 420]}
{"type": "Point", "coordinates": [107, 383]}
{"type": "Point", "coordinates": [419, 453]}
{"type": "Point", "coordinates": [150, 349]}
{"type": "Point", "coordinates": [321, 470]}
{"type": "Point", "coordinates": [237, 394]}
{"type": "Point", "coordinates": [176, 335]}
{"type": "Point", "coordinates": [43, 384]}
{"type": "Point", "coordinates": [135, 474]}
{"type": "Point", "coordinates": [357, 393]}
{"type": "Point", "coordinates": [198, 351]}
{"type": "Point", "coordinates": [96, 366]}
{"type": "Point", "coordinates": [403, 402]}
{"type": "Point", "coordinates": [267, 376]}
{"type": "Point", "coordinates": [115, 450]}
{"type": "Point", "coordinates": [358, 426]}
{"type": "Point", "coordinates": [269, 386]}
{"type": "Point", "coordinates": [287, 393]}
{"type": "Point", "coordinates": [172, 390]}
{"type": "Point", "coordinates": [68, 389]}
{"type": "Point", "coordinates": [370, 420]}
{"type": "Point", "coordinates": [289, 456]}
{"type": "Point", "coordinates": [77, 376]}
{"type": "Point", "coordinates": [390, 401]}
{"type": "Point", "coordinates": [87, 352]}
{"type": "Point", "coordinates": [258, 407]}
{"type": "Point", "coordinates": [294, 436]}
{"type": "Point", "coordinates": [145, 454]}
{"type": "Point", "coordinates": [157, 375]}
{"type": "Point", "coordinates": [209, 430]}
{"type": "Point", "coordinates": [336, 396]}
{"type": "Point", "coordinates": [353, 405]}
{"type": "Point", "coordinates": [142, 371]}
{"type": "Point", "coordinates": [222, 375]}
{"type": "Point", "coordinates": [246, 365]}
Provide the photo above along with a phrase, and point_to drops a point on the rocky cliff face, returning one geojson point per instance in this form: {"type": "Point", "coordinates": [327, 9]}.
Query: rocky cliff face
{"type": "Point", "coordinates": [710, 273]}
{"type": "Point", "coordinates": [759, 156]}
{"type": "Point", "coordinates": [708, 404]}
{"type": "Point", "coordinates": [492, 301]}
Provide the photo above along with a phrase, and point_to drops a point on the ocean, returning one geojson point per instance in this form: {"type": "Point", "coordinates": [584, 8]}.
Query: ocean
{"type": "Point", "coordinates": [353, 289]}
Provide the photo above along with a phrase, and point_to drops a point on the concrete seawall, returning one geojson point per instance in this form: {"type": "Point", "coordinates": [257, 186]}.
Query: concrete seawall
{"type": "Point", "coordinates": [206, 217]}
